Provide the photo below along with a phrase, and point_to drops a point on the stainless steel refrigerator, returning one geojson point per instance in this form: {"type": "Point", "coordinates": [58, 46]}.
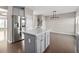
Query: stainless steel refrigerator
{"type": "Point", "coordinates": [18, 27]}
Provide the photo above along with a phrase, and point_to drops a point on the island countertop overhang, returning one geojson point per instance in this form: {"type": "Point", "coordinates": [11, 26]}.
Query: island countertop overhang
{"type": "Point", "coordinates": [35, 31]}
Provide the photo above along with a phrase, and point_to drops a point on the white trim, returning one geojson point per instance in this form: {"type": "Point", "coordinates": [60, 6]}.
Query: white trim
{"type": "Point", "coordinates": [62, 33]}
{"type": "Point", "coordinates": [9, 41]}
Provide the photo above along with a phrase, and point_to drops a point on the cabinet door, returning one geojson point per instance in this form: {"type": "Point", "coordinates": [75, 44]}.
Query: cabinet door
{"type": "Point", "coordinates": [42, 42]}
{"type": "Point", "coordinates": [47, 39]}
{"type": "Point", "coordinates": [42, 46]}
{"type": "Point", "coordinates": [21, 12]}
{"type": "Point", "coordinates": [38, 41]}
{"type": "Point", "coordinates": [15, 11]}
{"type": "Point", "coordinates": [30, 43]}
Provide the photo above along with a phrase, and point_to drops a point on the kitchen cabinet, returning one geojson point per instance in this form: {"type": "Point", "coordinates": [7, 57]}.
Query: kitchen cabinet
{"type": "Point", "coordinates": [42, 47]}
{"type": "Point", "coordinates": [47, 39]}
{"type": "Point", "coordinates": [15, 11]}
{"type": "Point", "coordinates": [37, 43]}
{"type": "Point", "coordinates": [77, 42]}
{"type": "Point", "coordinates": [41, 42]}
{"type": "Point", "coordinates": [18, 11]}
{"type": "Point", "coordinates": [44, 41]}
{"type": "Point", "coordinates": [30, 41]}
{"type": "Point", "coordinates": [21, 12]}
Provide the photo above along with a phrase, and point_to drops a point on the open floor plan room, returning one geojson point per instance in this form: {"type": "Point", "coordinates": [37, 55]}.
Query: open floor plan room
{"type": "Point", "coordinates": [39, 29]}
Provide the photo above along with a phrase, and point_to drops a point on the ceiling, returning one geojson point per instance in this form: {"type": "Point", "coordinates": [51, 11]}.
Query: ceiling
{"type": "Point", "coordinates": [47, 10]}
{"type": "Point", "coordinates": [4, 7]}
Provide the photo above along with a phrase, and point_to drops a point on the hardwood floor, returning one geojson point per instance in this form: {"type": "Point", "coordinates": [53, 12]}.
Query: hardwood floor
{"type": "Point", "coordinates": [59, 43]}
{"type": "Point", "coordinates": [17, 47]}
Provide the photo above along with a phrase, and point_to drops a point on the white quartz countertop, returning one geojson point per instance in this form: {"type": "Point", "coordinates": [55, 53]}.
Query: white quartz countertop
{"type": "Point", "coordinates": [36, 31]}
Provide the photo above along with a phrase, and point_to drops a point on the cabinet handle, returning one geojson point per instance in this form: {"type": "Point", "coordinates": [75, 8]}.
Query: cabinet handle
{"type": "Point", "coordinates": [42, 40]}
{"type": "Point", "coordinates": [29, 40]}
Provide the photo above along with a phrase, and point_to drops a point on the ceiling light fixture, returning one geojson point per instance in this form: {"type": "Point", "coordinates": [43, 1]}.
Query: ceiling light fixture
{"type": "Point", "coordinates": [54, 15]}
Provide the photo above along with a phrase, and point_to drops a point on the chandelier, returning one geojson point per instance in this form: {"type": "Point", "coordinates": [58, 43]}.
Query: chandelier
{"type": "Point", "coordinates": [54, 15]}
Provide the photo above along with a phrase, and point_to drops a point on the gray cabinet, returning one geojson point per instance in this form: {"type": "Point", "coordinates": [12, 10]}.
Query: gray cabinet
{"type": "Point", "coordinates": [41, 42]}
{"type": "Point", "coordinates": [30, 46]}
{"type": "Point", "coordinates": [42, 45]}
{"type": "Point", "coordinates": [18, 11]}
{"type": "Point", "coordinates": [47, 39]}
{"type": "Point", "coordinates": [21, 12]}
{"type": "Point", "coordinates": [36, 43]}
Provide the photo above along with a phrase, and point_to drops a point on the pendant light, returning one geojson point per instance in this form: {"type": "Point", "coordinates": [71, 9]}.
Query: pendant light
{"type": "Point", "coordinates": [54, 15]}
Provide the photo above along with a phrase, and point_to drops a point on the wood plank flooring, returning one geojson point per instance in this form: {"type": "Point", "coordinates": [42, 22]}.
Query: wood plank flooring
{"type": "Point", "coordinates": [59, 43]}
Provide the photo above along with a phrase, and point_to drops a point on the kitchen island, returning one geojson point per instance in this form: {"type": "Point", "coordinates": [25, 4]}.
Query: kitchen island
{"type": "Point", "coordinates": [36, 40]}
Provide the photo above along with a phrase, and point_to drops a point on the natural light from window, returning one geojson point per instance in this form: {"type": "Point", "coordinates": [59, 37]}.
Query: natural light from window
{"type": "Point", "coordinates": [3, 24]}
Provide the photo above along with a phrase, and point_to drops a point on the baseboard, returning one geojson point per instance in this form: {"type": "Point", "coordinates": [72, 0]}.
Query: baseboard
{"type": "Point", "coordinates": [63, 33]}
{"type": "Point", "coordinates": [9, 41]}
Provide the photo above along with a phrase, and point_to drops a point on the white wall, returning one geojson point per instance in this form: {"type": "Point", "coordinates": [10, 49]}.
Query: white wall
{"type": "Point", "coordinates": [9, 24]}
{"type": "Point", "coordinates": [64, 24]}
